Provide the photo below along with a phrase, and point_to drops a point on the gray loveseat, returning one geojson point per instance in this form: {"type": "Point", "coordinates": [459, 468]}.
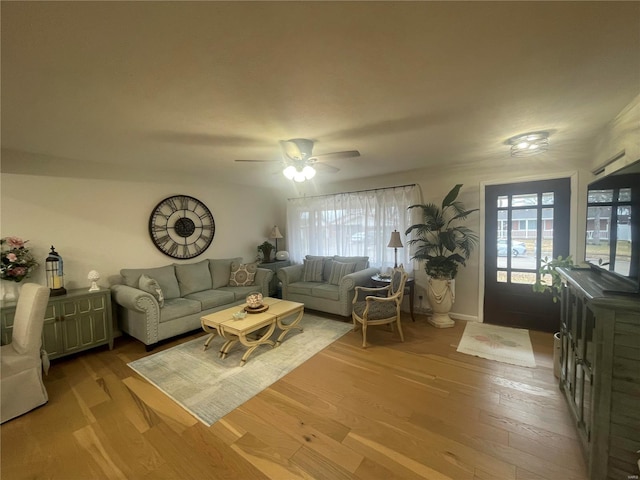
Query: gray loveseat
{"type": "Point", "coordinates": [178, 295]}
{"type": "Point", "coordinates": [329, 288]}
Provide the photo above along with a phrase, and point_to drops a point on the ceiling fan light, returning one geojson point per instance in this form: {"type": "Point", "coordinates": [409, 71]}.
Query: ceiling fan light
{"type": "Point", "coordinates": [299, 177]}
{"type": "Point", "coordinates": [309, 172]}
{"type": "Point", "coordinates": [289, 172]}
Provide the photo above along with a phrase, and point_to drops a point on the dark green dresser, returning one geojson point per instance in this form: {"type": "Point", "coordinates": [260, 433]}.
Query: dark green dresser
{"type": "Point", "coordinates": [73, 322]}
{"type": "Point", "coordinates": [600, 370]}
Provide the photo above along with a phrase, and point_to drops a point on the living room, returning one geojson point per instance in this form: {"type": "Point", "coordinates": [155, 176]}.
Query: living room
{"type": "Point", "coordinates": [108, 109]}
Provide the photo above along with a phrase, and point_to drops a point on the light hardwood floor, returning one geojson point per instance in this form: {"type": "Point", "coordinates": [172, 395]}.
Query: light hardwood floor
{"type": "Point", "coordinates": [396, 410]}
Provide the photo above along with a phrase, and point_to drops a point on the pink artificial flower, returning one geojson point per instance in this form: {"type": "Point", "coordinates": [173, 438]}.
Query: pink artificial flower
{"type": "Point", "coordinates": [18, 271]}
{"type": "Point", "coordinates": [15, 242]}
{"type": "Point", "coordinates": [12, 257]}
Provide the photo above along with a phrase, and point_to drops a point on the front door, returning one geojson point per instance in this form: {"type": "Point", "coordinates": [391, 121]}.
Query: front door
{"type": "Point", "coordinates": [525, 222]}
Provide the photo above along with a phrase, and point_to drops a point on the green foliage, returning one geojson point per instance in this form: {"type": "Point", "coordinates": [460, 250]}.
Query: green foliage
{"type": "Point", "coordinates": [441, 242]}
{"type": "Point", "coordinates": [266, 248]}
{"type": "Point", "coordinates": [549, 268]}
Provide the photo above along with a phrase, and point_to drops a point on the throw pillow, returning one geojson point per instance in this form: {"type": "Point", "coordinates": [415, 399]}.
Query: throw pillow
{"type": "Point", "coordinates": [150, 285]}
{"type": "Point", "coordinates": [242, 274]}
{"type": "Point", "coordinates": [339, 270]}
{"type": "Point", "coordinates": [312, 270]}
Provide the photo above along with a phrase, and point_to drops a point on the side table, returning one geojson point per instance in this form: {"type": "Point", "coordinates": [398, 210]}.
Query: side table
{"type": "Point", "coordinates": [275, 266]}
{"type": "Point", "coordinates": [409, 288]}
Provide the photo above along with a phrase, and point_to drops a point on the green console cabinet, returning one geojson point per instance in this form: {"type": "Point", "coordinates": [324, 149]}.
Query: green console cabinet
{"type": "Point", "coordinates": [73, 322]}
{"type": "Point", "coordinates": [600, 370]}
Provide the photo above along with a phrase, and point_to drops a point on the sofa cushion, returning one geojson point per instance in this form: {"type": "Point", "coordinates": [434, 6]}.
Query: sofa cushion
{"type": "Point", "coordinates": [212, 298]}
{"type": "Point", "coordinates": [242, 274]}
{"type": "Point", "coordinates": [312, 270]}
{"type": "Point", "coordinates": [361, 262]}
{"type": "Point", "coordinates": [178, 307]}
{"type": "Point", "coordinates": [239, 293]}
{"type": "Point", "coordinates": [193, 277]}
{"type": "Point", "coordinates": [303, 288]}
{"type": "Point", "coordinates": [150, 285]}
{"type": "Point", "coordinates": [220, 269]}
{"type": "Point", "coordinates": [339, 270]}
{"type": "Point", "coordinates": [326, 290]}
{"type": "Point", "coordinates": [165, 276]}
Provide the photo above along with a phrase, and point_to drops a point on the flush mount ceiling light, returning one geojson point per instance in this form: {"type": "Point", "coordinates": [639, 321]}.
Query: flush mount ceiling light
{"type": "Point", "coordinates": [529, 144]}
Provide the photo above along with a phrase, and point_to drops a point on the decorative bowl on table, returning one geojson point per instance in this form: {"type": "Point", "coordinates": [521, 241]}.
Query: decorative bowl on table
{"type": "Point", "coordinates": [240, 315]}
{"type": "Point", "coordinates": [254, 300]}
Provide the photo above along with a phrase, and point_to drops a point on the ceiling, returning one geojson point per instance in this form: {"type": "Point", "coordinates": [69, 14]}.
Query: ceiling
{"type": "Point", "coordinates": [190, 87]}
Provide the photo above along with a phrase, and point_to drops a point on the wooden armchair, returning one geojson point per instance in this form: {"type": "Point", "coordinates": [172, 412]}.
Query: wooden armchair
{"type": "Point", "coordinates": [379, 310]}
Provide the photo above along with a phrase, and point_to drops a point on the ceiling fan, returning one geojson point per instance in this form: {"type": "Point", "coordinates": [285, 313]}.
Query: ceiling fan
{"type": "Point", "coordinates": [300, 163]}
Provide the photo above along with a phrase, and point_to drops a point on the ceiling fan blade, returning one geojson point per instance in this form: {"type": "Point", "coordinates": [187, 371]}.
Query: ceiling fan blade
{"type": "Point", "coordinates": [344, 154]}
{"type": "Point", "coordinates": [258, 161]}
{"type": "Point", "coordinates": [324, 168]}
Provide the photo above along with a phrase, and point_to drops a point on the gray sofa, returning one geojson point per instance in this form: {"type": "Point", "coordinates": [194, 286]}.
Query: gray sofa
{"type": "Point", "coordinates": [326, 292]}
{"type": "Point", "coordinates": [179, 295]}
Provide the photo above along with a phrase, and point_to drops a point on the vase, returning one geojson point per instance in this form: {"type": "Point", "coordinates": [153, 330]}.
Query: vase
{"type": "Point", "coordinates": [441, 295]}
{"type": "Point", "coordinates": [10, 291]}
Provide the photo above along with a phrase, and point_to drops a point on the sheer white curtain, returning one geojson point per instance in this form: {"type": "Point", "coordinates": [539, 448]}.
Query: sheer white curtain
{"type": "Point", "coordinates": [355, 223]}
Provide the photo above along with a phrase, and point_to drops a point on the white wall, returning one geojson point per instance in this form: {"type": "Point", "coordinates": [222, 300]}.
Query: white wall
{"type": "Point", "coordinates": [103, 224]}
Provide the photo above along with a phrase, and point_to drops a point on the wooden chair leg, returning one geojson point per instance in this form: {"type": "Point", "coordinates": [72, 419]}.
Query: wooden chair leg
{"type": "Point", "coordinates": [364, 335]}
{"type": "Point", "coordinates": [400, 329]}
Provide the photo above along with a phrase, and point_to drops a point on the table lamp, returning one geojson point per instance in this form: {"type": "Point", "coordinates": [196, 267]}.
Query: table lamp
{"type": "Point", "coordinates": [395, 243]}
{"type": "Point", "coordinates": [275, 233]}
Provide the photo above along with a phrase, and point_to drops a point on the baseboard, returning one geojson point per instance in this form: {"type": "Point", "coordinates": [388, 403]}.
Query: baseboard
{"type": "Point", "coordinates": [461, 316]}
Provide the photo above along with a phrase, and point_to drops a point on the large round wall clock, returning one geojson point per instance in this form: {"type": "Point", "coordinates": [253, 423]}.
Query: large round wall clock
{"type": "Point", "coordinates": [181, 227]}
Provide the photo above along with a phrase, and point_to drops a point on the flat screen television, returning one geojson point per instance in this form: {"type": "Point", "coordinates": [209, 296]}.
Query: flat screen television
{"type": "Point", "coordinates": [613, 227]}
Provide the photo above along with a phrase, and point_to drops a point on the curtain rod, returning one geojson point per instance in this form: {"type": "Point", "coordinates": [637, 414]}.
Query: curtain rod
{"type": "Point", "coordinates": [357, 191]}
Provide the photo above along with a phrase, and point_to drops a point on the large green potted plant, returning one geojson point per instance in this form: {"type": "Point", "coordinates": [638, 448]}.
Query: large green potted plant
{"type": "Point", "coordinates": [444, 245]}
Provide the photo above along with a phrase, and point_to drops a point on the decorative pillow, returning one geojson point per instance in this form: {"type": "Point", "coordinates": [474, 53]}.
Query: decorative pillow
{"type": "Point", "coordinates": [242, 274]}
{"type": "Point", "coordinates": [339, 270]}
{"type": "Point", "coordinates": [151, 286]}
{"type": "Point", "coordinates": [312, 270]}
{"type": "Point", "coordinates": [361, 262]}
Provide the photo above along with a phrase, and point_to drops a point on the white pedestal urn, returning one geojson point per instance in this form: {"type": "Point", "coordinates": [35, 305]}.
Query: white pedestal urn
{"type": "Point", "coordinates": [441, 295]}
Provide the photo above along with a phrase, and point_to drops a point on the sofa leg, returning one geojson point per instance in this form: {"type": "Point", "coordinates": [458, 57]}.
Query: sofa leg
{"type": "Point", "coordinates": [148, 348]}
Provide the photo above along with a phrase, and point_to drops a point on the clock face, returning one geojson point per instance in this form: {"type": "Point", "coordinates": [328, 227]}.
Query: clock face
{"type": "Point", "coordinates": [181, 227]}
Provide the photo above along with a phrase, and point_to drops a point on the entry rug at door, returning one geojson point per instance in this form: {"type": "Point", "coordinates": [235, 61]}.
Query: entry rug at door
{"type": "Point", "coordinates": [502, 344]}
{"type": "Point", "coordinates": [209, 387]}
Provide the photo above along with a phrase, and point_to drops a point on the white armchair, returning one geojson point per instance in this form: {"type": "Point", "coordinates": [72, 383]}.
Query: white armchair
{"type": "Point", "coordinates": [22, 360]}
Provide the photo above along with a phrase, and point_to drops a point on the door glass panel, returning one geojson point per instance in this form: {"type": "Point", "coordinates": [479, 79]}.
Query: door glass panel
{"type": "Point", "coordinates": [546, 249]}
{"type": "Point", "coordinates": [526, 278]}
{"type": "Point", "coordinates": [547, 198]}
{"type": "Point", "coordinates": [503, 201]}
{"type": "Point", "coordinates": [502, 276]}
{"type": "Point", "coordinates": [524, 200]}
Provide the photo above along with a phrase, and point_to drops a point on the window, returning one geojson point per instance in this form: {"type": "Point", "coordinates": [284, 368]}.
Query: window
{"type": "Point", "coordinates": [352, 224]}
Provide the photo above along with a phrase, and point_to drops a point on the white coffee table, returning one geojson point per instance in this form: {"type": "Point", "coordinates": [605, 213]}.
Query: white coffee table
{"type": "Point", "coordinates": [222, 323]}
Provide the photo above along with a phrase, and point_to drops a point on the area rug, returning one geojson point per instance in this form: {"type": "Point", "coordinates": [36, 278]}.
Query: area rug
{"type": "Point", "coordinates": [209, 387]}
{"type": "Point", "coordinates": [502, 344]}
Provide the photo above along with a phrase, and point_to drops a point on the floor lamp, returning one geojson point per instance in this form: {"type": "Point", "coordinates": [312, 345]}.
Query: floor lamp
{"type": "Point", "coordinates": [395, 243]}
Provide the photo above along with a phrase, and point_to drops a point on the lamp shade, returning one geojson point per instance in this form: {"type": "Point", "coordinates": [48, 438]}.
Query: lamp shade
{"type": "Point", "coordinates": [395, 241]}
{"type": "Point", "coordinates": [275, 232]}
